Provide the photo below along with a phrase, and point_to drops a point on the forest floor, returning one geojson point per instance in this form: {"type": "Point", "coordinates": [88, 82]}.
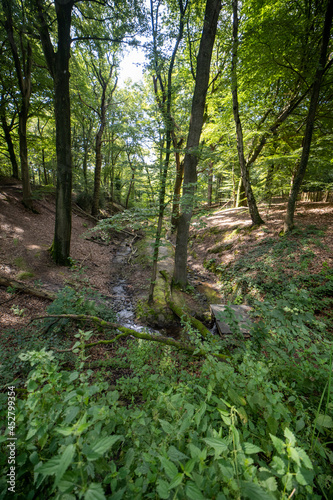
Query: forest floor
{"type": "Point", "coordinates": [220, 237]}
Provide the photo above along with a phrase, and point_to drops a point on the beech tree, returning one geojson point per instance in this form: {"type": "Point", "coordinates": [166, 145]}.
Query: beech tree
{"type": "Point", "coordinates": [21, 51]}
{"type": "Point", "coordinates": [212, 11]}
{"type": "Point", "coordinates": [321, 67]}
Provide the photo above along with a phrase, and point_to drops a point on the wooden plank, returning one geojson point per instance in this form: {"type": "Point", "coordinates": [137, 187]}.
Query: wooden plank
{"type": "Point", "coordinates": [241, 314]}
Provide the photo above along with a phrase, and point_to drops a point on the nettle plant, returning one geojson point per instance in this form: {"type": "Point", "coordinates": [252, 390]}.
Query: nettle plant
{"type": "Point", "coordinates": [210, 431]}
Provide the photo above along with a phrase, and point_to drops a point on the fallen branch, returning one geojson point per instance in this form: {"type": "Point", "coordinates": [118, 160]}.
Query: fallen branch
{"type": "Point", "coordinates": [178, 311]}
{"type": "Point", "coordinates": [126, 332]}
{"type": "Point", "coordinates": [26, 289]}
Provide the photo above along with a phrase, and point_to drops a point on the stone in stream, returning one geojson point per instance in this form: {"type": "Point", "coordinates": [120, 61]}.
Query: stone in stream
{"type": "Point", "coordinates": [241, 315]}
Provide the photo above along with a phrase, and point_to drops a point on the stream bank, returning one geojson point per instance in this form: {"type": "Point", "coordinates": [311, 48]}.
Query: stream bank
{"type": "Point", "coordinates": [130, 286]}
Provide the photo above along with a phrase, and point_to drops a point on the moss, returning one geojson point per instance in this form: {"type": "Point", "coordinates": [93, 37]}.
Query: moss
{"type": "Point", "coordinates": [25, 275]}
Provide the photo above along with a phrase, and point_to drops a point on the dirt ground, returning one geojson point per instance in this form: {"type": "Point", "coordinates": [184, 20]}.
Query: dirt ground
{"type": "Point", "coordinates": [25, 238]}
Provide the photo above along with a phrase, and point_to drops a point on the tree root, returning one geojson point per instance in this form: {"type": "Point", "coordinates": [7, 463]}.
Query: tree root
{"type": "Point", "coordinates": [179, 312]}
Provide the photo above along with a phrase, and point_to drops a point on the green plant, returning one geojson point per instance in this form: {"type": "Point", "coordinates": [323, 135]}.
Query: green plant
{"type": "Point", "coordinates": [17, 310]}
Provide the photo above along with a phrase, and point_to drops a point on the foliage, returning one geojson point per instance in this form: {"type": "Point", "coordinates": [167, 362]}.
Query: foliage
{"type": "Point", "coordinates": [172, 428]}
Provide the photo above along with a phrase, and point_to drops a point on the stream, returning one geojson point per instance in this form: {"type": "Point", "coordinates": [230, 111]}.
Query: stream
{"type": "Point", "coordinates": [121, 301]}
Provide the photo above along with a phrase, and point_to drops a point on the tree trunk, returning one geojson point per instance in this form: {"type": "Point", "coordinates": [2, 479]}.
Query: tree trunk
{"type": "Point", "coordinates": [254, 213]}
{"type": "Point", "coordinates": [63, 219]}
{"type": "Point", "coordinates": [210, 184]}
{"type": "Point", "coordinates": [176, 195]}
{"type": "Point", "coordinates": [213, 8]}
{"type": "Point", "coordinates": [8, 138]}
{"type": "Point", "coordinates": [98, 170]}
{"type": "Point", "coordinates": [241, 195]}
{"type": "Point", "coordinates": [299, 174]}
{"type": "Point", "coordinates": [23, 118]}
{"type": "Point", "coordinates": [23, 73]}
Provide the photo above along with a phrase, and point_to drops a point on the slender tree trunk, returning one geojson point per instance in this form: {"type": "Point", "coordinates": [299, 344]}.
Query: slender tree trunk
{"type": "Point", "coordinates": [8, 138]}
{"type": "Point", "coordinates": [165, 106]}
{"type": "Point", "coordinates": [299, 174]}
{"type": "Point", "coordinates": [210, 184]}
{"type": "Point", "coordinates": [63, 219]}
{"type": "Point", "coordinates": [130, 186]}
{"type": "Point", "coordinates": [98, 170]}
{"type": "Point", "coordinates": [254, 213]}
{"type": "Point", "coordinates": [212, 11]}
{"type": "Point", "coordinates": [241, 195]}
{"type": "Point", "coordinates": [23, 73]}
{"type": "Point", "coordinates": [23, 118]}
{"type": "Point", "coordinates": [176, 195]}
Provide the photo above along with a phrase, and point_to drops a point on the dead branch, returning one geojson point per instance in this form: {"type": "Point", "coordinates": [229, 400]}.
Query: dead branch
{"type": "Point", "coordinates": [26, 289]}
{"type": "Point", "coordinates": [126, 332]}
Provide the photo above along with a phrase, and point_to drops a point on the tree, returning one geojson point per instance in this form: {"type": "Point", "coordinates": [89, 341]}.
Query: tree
{"type": "Point", "coordinates": [245, 174]}
{"type": "Point", "coordinates": [301, 169]}
{"type": "Point", "coordinates": [22, 56]}
{"type": "Point", "coordinates": [58, 66]}
{"type": "Point", "coordinates": [164, 104]}
{"type": "Point", "coordinates": [212, 11]}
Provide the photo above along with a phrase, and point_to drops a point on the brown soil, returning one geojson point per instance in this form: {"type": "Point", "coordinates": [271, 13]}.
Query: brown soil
{"type": "Point", "coordinates": [25, 238]}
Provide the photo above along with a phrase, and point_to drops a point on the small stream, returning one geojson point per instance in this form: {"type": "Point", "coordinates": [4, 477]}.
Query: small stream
{"type": "Point", "coordinates": [121, 301]}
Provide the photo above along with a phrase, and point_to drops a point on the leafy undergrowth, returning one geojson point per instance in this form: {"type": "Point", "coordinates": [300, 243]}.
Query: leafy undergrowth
{"type": "Point", "coordinates": [148, 421]}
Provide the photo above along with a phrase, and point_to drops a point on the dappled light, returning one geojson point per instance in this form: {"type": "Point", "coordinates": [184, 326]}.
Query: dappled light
{"type": "Point", "coordinates": [166, 250]}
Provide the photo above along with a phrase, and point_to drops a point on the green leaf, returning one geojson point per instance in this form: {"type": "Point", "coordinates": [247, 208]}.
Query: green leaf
{"type": "Point", "coordinates": [305, 459]}
{"type": "Point", "coordinates": [31, 386]}
{"type": "Point", "coordinates": [193, 492]}
{"type": "Point", "coordinates": [166, 426]}
{"type": "Point", "coordinates": [278, 465]}
{"type": "Point", "coordinates": [163, 489]}
{"type": "Point", "coordinates": [290, 436]}
{"type": "Point", "coordinates": [169, 467]}
{"type": "Point", "coordinates": [304, 477]}
{"type": "Point", "coordinates": [189, 466]}
{"type": "Point", "coordinates": [129, 457]}
{"type": "Point", "coordinates": [255, 492]}
{"type": "Point", "coordinates": [65, 460]}
{"type": "Point", "coordinates": [176, 455]}
{"type": "Point", "coordinates": [201, 411]}
{"type": "Point", "coordinates": [94, 492]}
{"type": "Point", "coordinates": [272, 424]}
{"type": "Point", "coordinates": [176, 480]}
{"type": "Point", "coordinates": [242, 415]}
{"type": "Point", "coordinates": [104, 444]}
{"type": "Point", "coordinates": [217, 443]}
{"type": "Point", "coordinates": [270, 484]}
{"type": "Point", "coordinates": [324, 421]}
{"type": "Point", "coordinates": [50, 467]}
{"type": "Point", "coordinates": [250, 448]}
{"type": "Point", "coordinates": [236, 398]}
{"type": "Point", "coordinates": [278, 444]}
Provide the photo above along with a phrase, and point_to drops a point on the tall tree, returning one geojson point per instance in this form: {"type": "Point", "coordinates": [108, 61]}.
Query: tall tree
{"type": "Point", "coordinates": [22, 56]}
{"type": "Point", "coordinates": [164, 100]}
{"type": "Point", "coordinates": [105, 101]}
{"type": "Point", "coordinates": [58, 65]}
{"type": "Point", "coordinates": [245, 173]}
{"type": "Point", "coordinates": [301, 168]}
{"type": "Point", "coordinates": [212, 12]}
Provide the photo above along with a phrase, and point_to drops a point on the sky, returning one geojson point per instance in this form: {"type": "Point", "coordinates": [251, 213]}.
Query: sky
{"type": "Point", "coordinates": [131, 66]}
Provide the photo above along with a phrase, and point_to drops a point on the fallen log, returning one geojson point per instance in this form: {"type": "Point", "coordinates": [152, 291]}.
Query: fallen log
{"type": "Point", "coordinates": [20, 287]}
{"type": "Point", "coordinates": [126, 332]}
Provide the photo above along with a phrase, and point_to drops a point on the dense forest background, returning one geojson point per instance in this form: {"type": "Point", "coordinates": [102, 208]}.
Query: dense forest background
{"type": "Point", "coordinates": [197, 170]}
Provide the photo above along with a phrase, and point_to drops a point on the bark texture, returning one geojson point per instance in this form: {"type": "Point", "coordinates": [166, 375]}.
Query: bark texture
{"type": "Point", "coordinates": [245, 173]}
{"type": "Point", "coordinates": [301, 169]}
{"type": "Point", "coordinates": [212, 11]}
{"type": "Point", "coordinates": [58, 65]}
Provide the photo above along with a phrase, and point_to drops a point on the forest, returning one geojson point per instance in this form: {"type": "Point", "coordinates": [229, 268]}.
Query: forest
{"type": "Point", "coordinates": [131, 210]}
